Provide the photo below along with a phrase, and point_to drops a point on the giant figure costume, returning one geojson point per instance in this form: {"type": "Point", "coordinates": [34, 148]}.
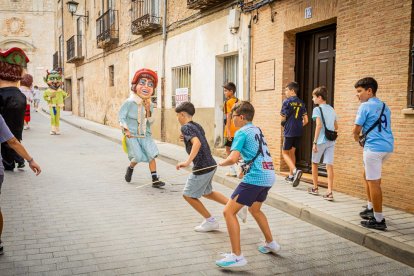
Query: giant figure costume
{"type": "Point", "coordinates": [12, 101]}
{"type": "Point", "coordinates": [55, 98]}
{"type": "Point", "coordinates": [135, 118]}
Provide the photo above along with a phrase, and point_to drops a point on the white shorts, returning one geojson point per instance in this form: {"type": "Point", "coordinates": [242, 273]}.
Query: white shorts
{"type": "Point", "coordinates": [373, 163]}
{"type": "Point", "coordinates": [327, 150]}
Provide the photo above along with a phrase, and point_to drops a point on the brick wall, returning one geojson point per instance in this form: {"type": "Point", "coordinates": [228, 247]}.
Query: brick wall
{"type": "Point", "coordinates": [369, 43]}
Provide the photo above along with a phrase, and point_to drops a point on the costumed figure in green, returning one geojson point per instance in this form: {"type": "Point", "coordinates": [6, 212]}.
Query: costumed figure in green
{"type": "Point", "coordinates": [55, 98]}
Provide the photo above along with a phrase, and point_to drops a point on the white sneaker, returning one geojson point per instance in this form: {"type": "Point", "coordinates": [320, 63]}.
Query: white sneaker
{"type": "Point", "coordinates": [230, 260]}
{"type": "Point", "coordinates": [207, 226]}
{"type": "Point", "coordinates": [272, 247]}
{"type": "Point", "coordinates": [242, 214]}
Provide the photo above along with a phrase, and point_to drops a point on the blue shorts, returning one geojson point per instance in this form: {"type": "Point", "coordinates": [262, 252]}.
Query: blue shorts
{"type": "Point", "coordinates": [249, 194]}
{"type": "Point", "coordinates": [291, 142]}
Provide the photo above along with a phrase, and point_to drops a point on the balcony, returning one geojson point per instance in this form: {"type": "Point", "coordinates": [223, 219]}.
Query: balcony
{"type": "Point", "coordinates": [202, 4]}
{"type": "Point", "coordinates": [74, 49]}
{"type": "Point", "coordinates": [56, 60]}
{"type": "Point", "coordinates": [107, 29]}
{"type": "Point", "coordinates": [145, 17]}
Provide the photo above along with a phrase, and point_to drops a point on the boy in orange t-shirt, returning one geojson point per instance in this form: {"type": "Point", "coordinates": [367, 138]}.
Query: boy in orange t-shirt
{"type": "Point", "coordinates": [229, 127]}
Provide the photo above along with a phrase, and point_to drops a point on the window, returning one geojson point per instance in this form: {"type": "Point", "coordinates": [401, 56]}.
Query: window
{"type": "Point", "coordinates": [60, 62]}
{"type": "Point", "coordinates": [181, 78]}
{"type": "Point", "coordinates": [231, 65]}
{"type": "Point", "coordinates": [111, 75]}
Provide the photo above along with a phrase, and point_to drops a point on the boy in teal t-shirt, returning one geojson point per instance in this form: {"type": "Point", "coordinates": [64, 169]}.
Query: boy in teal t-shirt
{"type": "Point", "coordinates": [258, 178]}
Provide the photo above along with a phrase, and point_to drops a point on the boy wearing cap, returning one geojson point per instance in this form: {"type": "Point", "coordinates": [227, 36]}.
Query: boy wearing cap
{"type": "Point", "coordinates": [135, 118]}
{"type": "Point", "coordinates": [12, 102]}
{"type": "Point", "coordinates": [229, 127]}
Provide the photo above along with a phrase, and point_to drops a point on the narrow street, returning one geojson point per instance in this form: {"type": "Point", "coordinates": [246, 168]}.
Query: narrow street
{"type": "Point", "coordinates": [79, 217]}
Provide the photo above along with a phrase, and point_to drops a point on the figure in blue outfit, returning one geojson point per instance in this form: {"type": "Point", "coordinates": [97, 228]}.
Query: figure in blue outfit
{"type": "Point", "coordinates": [135, 118]}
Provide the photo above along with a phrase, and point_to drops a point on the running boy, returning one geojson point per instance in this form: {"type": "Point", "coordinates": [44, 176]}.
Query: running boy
{"type": "Point", "coordinates": [321, 145]}
{"type": "Point", "coordinates": [199, 182]}
{"type": "Point", "coordinates": [229, 127]}
{"type": "Point", "coordinates": [294, 118]}
{"type": "Point", "coordinates": [259, 176]}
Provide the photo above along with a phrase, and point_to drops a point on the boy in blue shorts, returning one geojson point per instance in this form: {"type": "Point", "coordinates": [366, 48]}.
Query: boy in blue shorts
{"type": "Point", "coordinates": [294, 118]}
{"type": "Point", "coordinates": [374, 121]}
{"type": "Point", "coordinates": [258, 178]}
{"type": "Point", "coordinates": [323, 114]}
{"type": "Point", "coordinates": [199, 182]}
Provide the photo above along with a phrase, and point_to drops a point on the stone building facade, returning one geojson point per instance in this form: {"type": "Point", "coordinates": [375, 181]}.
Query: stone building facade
{"type": "Point", "coordinates": [261, 45]}
{"type": "Point", "coordinates": [22, 24]}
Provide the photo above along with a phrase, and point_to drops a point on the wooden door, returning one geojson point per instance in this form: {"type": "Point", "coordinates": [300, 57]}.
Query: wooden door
{"type": "Point", "coordinates": [315, 66]}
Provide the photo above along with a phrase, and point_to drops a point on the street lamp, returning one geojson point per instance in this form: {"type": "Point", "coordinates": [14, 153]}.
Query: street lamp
{"type": "Point", "coordinates": [73, 6]}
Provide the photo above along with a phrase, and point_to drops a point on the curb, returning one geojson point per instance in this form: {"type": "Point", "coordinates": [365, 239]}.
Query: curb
{"type": "Point", "coordinates": [393, 249]}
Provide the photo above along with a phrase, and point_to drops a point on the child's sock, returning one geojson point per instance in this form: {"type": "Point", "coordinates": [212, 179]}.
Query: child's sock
{"type": "Point", "coordinates": [378, 216]}
{"type": "Point", "coordinates": [369, 205]}
{"type": "Point", "coordinates": [294, 171]}
{"type": "Point", "coordinates": [211, 219]}
{"type": "Point", "coordinates": [154, 176]}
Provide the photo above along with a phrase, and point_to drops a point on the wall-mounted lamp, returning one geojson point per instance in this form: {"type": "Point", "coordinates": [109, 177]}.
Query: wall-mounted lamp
{"type": "Point", "coordinates": [73, 6]}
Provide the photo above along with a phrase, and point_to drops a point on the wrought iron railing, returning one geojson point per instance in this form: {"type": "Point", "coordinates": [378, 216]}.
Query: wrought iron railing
{"type": "Point", "coordinates": [74, 48]}
{"type": "Point", "coordinates": [107, 29]}
{"type": "Point", "coordinates": [145, 16]}
{"type": "Point", "coordinates": [56, 60]}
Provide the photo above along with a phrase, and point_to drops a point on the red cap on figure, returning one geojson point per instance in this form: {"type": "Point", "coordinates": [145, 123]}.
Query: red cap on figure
{"type": "Point", "coordinates": [145, 73]}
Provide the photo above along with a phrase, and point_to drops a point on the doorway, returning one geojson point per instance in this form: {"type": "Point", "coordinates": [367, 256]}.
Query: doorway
{"type": "Point", "coordinates": [315, 66]}
{"type": "Point", "coordinates": [68, 100]}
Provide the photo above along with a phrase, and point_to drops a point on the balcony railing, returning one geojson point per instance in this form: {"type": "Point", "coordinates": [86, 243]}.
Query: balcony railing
{"type": "Point", "coordinates": [56, 60]}
{"type": "Point", "coordinates": [107, 29]}
{"type": "Point", "coordinates": [145, 17]}
{"type": "Point", "coordinates": [202, 4]}
{"type": "Point", "coordinates": [74, 49]}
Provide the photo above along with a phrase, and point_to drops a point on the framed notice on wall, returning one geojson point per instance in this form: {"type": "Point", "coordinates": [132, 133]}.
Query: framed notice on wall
{"type": "Point", "coordinates": [265, 75]}
{"type": "Point", "coordinates": [181, 95]}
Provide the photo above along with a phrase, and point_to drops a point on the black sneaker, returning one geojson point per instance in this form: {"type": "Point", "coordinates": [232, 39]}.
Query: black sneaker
{"type": "Point", "coordinates": [1, 248]}
{"type": "Point", "coordinates": [289, 180]}
{"type": "Point", "coordinates": [374, 224]}
{"type": "Point", "coordinates": [296, 178]}
{"type": "Point", "coordinates": [20, 166]}
{"type": "Point", "coordinates": [367, 214]}
{"type": "Point", "coordinates": [157, 183]}
{"type": "Point", "coordinates": [128, 174]}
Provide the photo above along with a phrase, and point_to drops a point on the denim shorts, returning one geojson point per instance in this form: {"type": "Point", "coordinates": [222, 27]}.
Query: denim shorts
{"type": "Point", "coordinates": [199, 185]}
{"type": "Point", "coordinates": [249, 194]}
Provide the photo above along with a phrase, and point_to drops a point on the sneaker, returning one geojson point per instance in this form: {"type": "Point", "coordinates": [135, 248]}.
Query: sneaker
{"type": "Point", "coordinates": [1, 248]}
{"type": "Point", "coordinates": [242, 214]}
{"type": "Point", "coordinates": [296, 178]}
{"type": "Point", "coordinates": [367, 214]}
{"type": "Point", "coordinates": [207, 226]}
{"type": "Point", "coordinates": [328, 197]}
{"type": "Point", "coordinates": [313, 191]}
{"type": "Point", "coordinates": [26, 127]}
{"type": "Point", "coordinates": [289, 180]}
{"type": "Point", "coordinates": [52, 132]}
{"type": "Point", "coordinates": [128, 174]}
{"type": "Point", "coordinates": [157, 183]}
{"type": "Point", "coordinates": [230, 260]}
{"type": "Point", "coordinates": [267, 248]}
{"type": "Point", "coordinates": [374, 224]}
{"type": "Point", "coordinates": [20, 166]}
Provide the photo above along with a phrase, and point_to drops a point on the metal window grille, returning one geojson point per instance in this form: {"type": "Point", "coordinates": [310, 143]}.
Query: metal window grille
{"type": "Point", "coordinates": [181, 78]}
{"type": "Point", "coordinates": [231, 65]}
{"type": "Point", "coordinates": [111, 75]}
{"type": "Point", "coordinates": [61, 54]}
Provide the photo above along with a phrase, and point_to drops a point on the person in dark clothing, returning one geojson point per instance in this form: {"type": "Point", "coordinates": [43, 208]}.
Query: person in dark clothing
{"type": "Point", "coordinates": [12, 102]}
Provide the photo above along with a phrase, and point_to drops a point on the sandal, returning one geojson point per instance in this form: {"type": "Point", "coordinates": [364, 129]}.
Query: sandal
{"type": "Point", "coordinates": [328, 196]}
{"type": "Point", "coordinates": [313, 191]}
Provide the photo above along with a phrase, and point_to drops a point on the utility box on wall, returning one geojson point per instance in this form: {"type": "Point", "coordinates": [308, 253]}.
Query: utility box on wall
{"type": "Point", "coordinates": [233, 21]}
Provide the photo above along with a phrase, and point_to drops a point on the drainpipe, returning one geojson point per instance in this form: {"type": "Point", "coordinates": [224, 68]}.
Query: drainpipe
{"type": "Point", "coordinates": [249, 42]}
{"type": "Point", "coordinates": [63, 44]}
{"type": "Point", "coordinates": [164, 42]}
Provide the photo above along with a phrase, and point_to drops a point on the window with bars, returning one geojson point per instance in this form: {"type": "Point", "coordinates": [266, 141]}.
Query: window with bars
{"type": "Point", "coordinates": [181, 83]}
{"type": "Point", "coordinates": [111, 71]}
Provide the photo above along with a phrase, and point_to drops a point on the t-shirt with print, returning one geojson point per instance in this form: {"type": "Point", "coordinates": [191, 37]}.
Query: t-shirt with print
{"type": "Point", "coordinates": [368, 113]}
{"type": "Point", "coordinates": [330, 117]}
{"type": "Point", "coordinates": [247, 141]}
{"type": "Point", "coordinates": [203, 158]}
{"type": "Point", "coordinates": [293, 109]}
{"type": "Point", "coordinates": [228, 105]}
{"type": "Point", "coordinates": [5, 135]}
